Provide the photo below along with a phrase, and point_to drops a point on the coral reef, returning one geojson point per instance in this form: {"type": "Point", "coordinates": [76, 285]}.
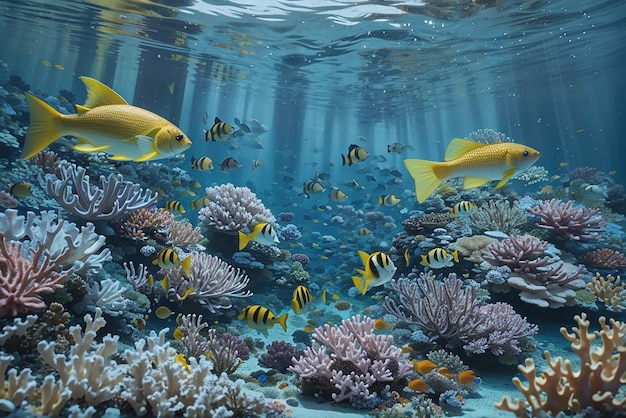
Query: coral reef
{"type": "Point", "coordinates": [567, 222]}
{"type": "Point", "coordinates": [213, 282]}
{"type": "Point", "coordinates": [23, 281]}
{"type": "Point", "coordinates": [605, 258]}
{"type": "Point", "coordinates": [351, 363]}
{"type": "Point", "coordinates": [279, 355]}
{"type": "Point", "coordinates": [73, 191]}
{"type": "Point", "coordinates": [233, 208]}
{"type": "Point", "coordinates": [146, 223]}
{"type": "Point", "coordinates": [542, 281]}
{"type": "Point", "coordinates": [498, 215]}
{"type": "Point", "coordinates": [426, 223]}
{"type": "Point", "coordinates": [446, 311]}
{"type": "Point", "coordinates": [596, 383]}
{"type": "Point", "coordinates": [609, 290]}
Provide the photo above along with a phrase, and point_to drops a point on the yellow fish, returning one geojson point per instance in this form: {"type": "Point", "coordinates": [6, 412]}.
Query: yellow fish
{"type": "Point", "coordinates": [364, 231]}
{"type": "Point", "coordinates": [356, 154]}
{"type": "Point", "coordinates": [59, 67]}
{"type": "Point", "coordinates": [105, 123]}
{"type": "Point", "coordinates": [388, 200]}
{"type": "Point", "coordinates": [46, 63]}
{"type": "Point", "coordinates": [261, 319]}
{"type": "Point", "coordinates": [174, 206]}
{"type": "Point", "coordinates": [379, 269]}
{"type": "Point", "coordinates": [21, 189]}
{"type": "Point", "coordinates": [263, 233]}
{"type": "Point", "coordinates": [163, 312]}
{"type": "Point", "coordinates": [438, 258]}
{"type": "Point", "coordinates": [301, 297]}
{"type": "Point", "coordinates": [200, 203]}
{"type": "Point", "coordinates": [167, 259]}
{"type": "Point", "coordinates": [477, 163]}
{"type": "Point", "coordinates": [381, 325]}
{"type": "Point", "coordinates": [202, 164]}
{"type": "Point", "coordinates": [462, 209]}
{"type": "Point", "coordinates": [546, 189]}
{"type": "Point", "coordinates": [338, 195]}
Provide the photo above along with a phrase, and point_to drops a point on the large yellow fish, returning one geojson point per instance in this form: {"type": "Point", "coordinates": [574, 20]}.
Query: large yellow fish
{"type": "Point", "coordinates": [105, 123]}
{"type": "Point", "coordinates": [477, 163]}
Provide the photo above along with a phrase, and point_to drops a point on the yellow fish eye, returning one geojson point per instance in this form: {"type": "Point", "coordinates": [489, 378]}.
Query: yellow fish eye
{"type": "Point", "coordinates": [179, 137]}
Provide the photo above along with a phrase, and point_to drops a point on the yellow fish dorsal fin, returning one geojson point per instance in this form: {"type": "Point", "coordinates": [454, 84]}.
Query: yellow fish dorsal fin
{"type": "Point", "coordinates": [364, 257]}
{"type": "Point", "coordinates": [471, 182]}
{"type": "Point", "coordinates": [507, 176]}
{"type": "Point", "coordinates": [99, 94]}
{"type": "Point", "coordinates": [458, 147]}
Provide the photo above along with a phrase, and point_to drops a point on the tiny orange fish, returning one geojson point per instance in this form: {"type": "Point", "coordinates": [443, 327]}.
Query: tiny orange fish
{"type": "Point", "coordinates": [418, 385]}
{"type": "Point", "coordinates": [425, 367]}
{"type": "Point", "coordinates": [466, 377]}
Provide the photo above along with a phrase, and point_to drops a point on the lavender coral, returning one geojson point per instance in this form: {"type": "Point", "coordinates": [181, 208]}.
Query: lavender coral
{"type": "Point", "coordinates": [22, 282]}
{"type": "Point", "coordinates": [351, 363]}
{"type": "Point", "coordinates": [233, 208]}
{"type": "Point", "coordinates": [450, 313]}
{"type": "Point", "coordinates": [279, 355]}
{"type": "Point", "coordinates": [567, 222]}
{"type": "Point", "coordinates": [73, 191]}
{"type": "Point", "coordinates": [213, 281]}
{"type": "Point", "coordinates": [542, 280]}
{"type": "Point", "coordinates": [596, 384]}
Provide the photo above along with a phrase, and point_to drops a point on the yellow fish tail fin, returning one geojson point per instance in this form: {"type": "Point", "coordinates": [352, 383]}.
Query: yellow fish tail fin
{"type": "Point", "coordinates": [426, 181]}
{"type": "Point", "coordinates": [282, 320]}
{"type": "Point", "coordinates": [455, 255]}
{"type": "Point", "coordinates": [360, 283]}
{"type": "Point", "coordinates": [186, 265]}
{"type": "Point", "coordinates": [424, 260]}
{"type": "Point", "coordinates": [244, 240]}
{"type": "Point", "coordinates": [44, 127]}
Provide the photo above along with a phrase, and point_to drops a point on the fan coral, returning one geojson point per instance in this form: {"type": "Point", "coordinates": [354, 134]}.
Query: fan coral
{"type": "Point", "coordinates": [450, 313]}
{"type": "Point", "coordinates": [606, 258]}
{"type": "Point", "coordinates": [561, 389]}
{"type": "Point", "coordinates": [233, 208]}
{"type": "Point", "coordinates": [543, 281]}
{"type": "Point", "coordinates": [566, 222]}
{"type": "Point", "coordinates": [212, 280]}
{"type": "Point", "coordinates": [352, 363]}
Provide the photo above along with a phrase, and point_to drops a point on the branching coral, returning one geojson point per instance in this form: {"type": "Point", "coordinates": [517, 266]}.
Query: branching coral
{"type": "Point", "coordinates": [498, 215]}
{"type": "Point", "coordinates": [73, 191]}
{"type": "Point", "coordinates": [567, 222]}
{"type": "Point", "coordinates": [595, 384]}
{"type": "Point", "coordinates": [233, 208]}
{"type": "Point", "coordinates": [352, 363]}
{"type": "Point", "coordinates": [450, 313]}
{"type": "Point", "coordinates": [542, 280]}
{"type": "Point", "coordinates": [213, 281]}
{"type": "Point", "coordinates": [145, 223]}
{"type": "Point", "coordinates": [22, 282]}
{"type": "Point", "coordinates": [610, 290]}
{"type": "Point", "coordinates": [606, 258]}
{"type": "Point", "coordinates": [427, 222]}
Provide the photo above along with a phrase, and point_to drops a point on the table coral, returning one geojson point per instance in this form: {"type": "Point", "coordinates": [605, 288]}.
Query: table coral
{"type": "Point", "coordinates": [595, 384]}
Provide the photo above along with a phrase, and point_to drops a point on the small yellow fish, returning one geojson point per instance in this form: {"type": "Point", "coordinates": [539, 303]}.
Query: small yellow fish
{"type": "Point", "coordinates": [343, 246]}
{"type": "Point", "coordinates": [220, 131]}
{"type": "Point", "coordinates": [105, 123]}
{"type": "Point", "coordinates": [202, 164]}
{"type": "Point", "coordinates": [46, 63]}
{"type": "Point", "coordinates": [424, 367]}
{"type": "Point", "coordinates": [311, 187]}
{"type": "Point", "coordinates": [174, 206]}
{"type": "Point", "coordinates": [336, 296]}
{"type": "Point", "coordinates": [556, 177]}
{"type": "Point", "coordinates": [364, 231]}
{"type": "Point", "coordinates": [379, 269]}
{"type": "Point", "coordinates": [200, 203]}
{"type": "Point", "coordinates": [439, 258]}
{"type": "Point", "coordinates": [176, 182]}
{"type": "Point", "coordinates": [308, 329]}
{"type": "Point", "coordinates": [194, 184]}
{"type": "Point", "coordinates": [462, 209]}
{"type": "Point", "coordinates": [59, 67]}
{"type": "Point", "coordinates": [261, 319]}
{"type": "Point", "coordinates": [263, 233]}
{"type": "Point", "coordinates": [388, 200]}
{"type": "Point", "coordinates": [563, 164]}
{"type": "Point", "coordinates": [381, 325]}
{"type": "Point", "coordinates": [21, 189]}
{"type": "Point", "coordinates": [612, 172]}
{"type": "Point", "coordinates": [419, 385]}
{"type": "Point", "coordinates": [178, 334]}
{"type": "Point", "coordinates": [163, 312]}
{"type": "Point", "coordinates": [168, 259]}
{"type": "Point", "coordinates": [356, 154]}
{"type": "Point", "coordinates": [301, 297]}
{"type": "Point", "coordinates": [477, 163]}
{"type": "Point", "coordinates": [337, 195]}
{"type": "Point", "coordinates": [546, 189]}
{"type": "Point", "coordinates": [323, 257]}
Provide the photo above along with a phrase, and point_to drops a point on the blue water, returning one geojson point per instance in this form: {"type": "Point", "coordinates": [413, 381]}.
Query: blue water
{"type": "Point", "coordinates": [311, 78]}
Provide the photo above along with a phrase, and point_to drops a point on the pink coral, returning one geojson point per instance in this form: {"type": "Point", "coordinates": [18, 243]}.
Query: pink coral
{"type": "Point", "coordinates": [7, 200]}
{"type": "Point", "coordinates": [450, 313]}
{"type": "Point", "coordinates": [605, 258]}
{"type": "Point", "coordinates": [352, 363]}
{"type": "Point", "coordinates": [23, 281]}
{"type": "Point", "coordinates": [542, 281]}
{"type": "Point", "coordinates": [567, 222]}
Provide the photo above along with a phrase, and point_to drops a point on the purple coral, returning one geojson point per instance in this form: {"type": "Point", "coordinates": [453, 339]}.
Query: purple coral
{"type": "Point", "coordinates": [286, 216]}
{"type": "Point", "coordinates": [450, 313]}
{"type": "Point", "coordinates": [351, 363]}
{"type": "Point", "coordinates": [567, 222]}
{"type": "Point", "coordinates": [289, 232]}
{"type": "Point", "coordinates": [542, 280]}
{"type": "Point", "coordinates": [279, 355]}
{"type": "Point", "coordinates": [301, 258]}
{"type": "Point", "coordinates": [588, 175]}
